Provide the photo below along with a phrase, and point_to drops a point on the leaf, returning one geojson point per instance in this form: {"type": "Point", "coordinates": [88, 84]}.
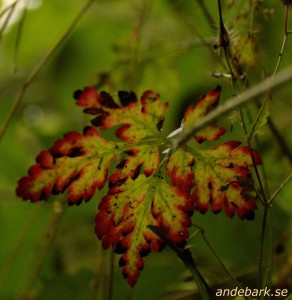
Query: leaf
{"type": "Point", "coordinates": [144, 156]}
{"type": "Point", "coordinates": [77, 162]}
{"type": "Point", "coordinates": [221, 178]}
{"type": "Point", "coordinates": [127, 210]}
{"type": "Point", "coordinates": [195, 111]}
{"type": "Point", "coordinates": [139, 119]}
{"type": "Point", "coordinates": [148, 186]}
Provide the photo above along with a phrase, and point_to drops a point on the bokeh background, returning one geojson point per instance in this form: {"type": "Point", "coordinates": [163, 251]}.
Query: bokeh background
{"type": "Point", "coordinates": [49, 251]}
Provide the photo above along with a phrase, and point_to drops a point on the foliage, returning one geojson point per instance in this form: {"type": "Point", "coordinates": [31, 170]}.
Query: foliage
{"type": "Point", "coordinates": [49, 251]}
{"type": "Point", "coordinates": [145, 189]}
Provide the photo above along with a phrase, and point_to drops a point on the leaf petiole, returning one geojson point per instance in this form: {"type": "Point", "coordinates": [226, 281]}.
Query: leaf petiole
{"type": "Point", "coordinates": [186, 257]}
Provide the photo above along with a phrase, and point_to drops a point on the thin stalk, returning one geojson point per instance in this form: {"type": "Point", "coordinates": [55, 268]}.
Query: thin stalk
{"type": "Point", "coordinates": [286, 33]}
{"type": "Point", "coordinates": [271, 200]}
{"type": "Point", "coordinates": [282, 143]}
{"type": "Point", "coordinates": [10, 10]}
{"type": "Point", "coordinates": [262, 248]}
{"type": "Point", "coordinates": [136, 61]}
{"type": "Point", "coordinates": [2, 13]}
{"type": "Point", "coordinates": [285, 149]}
{"type": "Point", "coordinates": [98, 283]}
{"type": "Point", "coordinates": [186, 257]}
{"type": "Point", "coordinates": [39, 67]}
{"type": "Point", "coordinates": [18, 36]}
{"type": "Point", "coordinates": [206, 13]}
{"type": "Point", "coordinates": [224, 267]}
{"type": "Point", "coordinates": [268, 203]}
{"type": "Point", "coordinates": [224, 42]}
{"type": "Point", "coordinates": [111, 275]}
{"type": "Point", "coordinates": [43, 247]}
{"type": "Point", "coordinates": [10, 261]}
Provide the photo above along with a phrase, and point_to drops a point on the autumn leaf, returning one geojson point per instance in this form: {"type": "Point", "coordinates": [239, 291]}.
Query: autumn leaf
{"type": "Point", "coordinates": [219, 178]}
{"type": "Point", "coordinates": [78, 163]}
{"type": "Point", "coordinates": [152, 184]}
{"type": "Point", "coordinates": [200, 109]}
{"type": "Point", "coordinates": [138, 119]}
{"type": "Point", "coordinates": [127, 210]}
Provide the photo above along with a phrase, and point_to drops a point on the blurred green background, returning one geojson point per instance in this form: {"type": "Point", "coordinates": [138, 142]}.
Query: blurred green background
{"type": "Point", "coordinates": [49, 251]}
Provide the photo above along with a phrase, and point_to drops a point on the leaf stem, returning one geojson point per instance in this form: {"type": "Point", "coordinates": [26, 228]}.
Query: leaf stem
{"type": "Point", "coordinates": [111, 275]}
{"type": "Point", "coordinates": [10, 10]}
{"type": "Point", "coordinates": [39, 67]}
{"type": "Point", "coordinates": [186, 257]}
{"type": "Point", "coordinates": [18, 36]}
{"type": "Point", "coordinates": [271, 200]}
{"type": "Point", "coordinates": [286, 33]}
{"type": "Point", "coordinates": [262, 248]}
{"type": "Point", "coordinates": [206, 13]}
{"type": "Point", "coordinates": [201, 231]}
{"type": "Point", "coordinates": [267, 203]}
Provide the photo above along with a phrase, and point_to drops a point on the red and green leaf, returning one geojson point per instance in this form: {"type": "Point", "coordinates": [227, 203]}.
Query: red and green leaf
{"type": "Point", "coordinates": [147, 187]}
{"type": "Point", "coordinates": [221, 177]}
{"type": "Point", "coordinates": [127, 210]}
{"type": "Point", "coordinates": [145, 157]}
{"type": "Point", "coordinates": [200, 109]}
{"type": "Point", "coordinates": [138, 119]}
{"type": "Point", "coordinates": [77, 162]}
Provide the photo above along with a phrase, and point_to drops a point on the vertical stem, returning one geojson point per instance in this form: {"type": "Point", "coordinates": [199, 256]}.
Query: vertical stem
{"type": "Point", "coordinates": [11, 260]}
{"type": "Point", "coordinates": [99, 284]}
{"type": "Point", "coordinates": [18, 36]}
{"type": "Point", "coordinates": [262, 244]}
{"type": "Point", "coordinates": [267, 203]}
{"type": "Point", "coordinates": [206, 13]}
{"type": "Point", "coordinates": [286, 33]}
{"type": "Point", "coordinates": [10, 11]}
{"type": "Point", "coordinates": [279, 189]}
{"type": "Point", "coordinates": [188, 260]}
{"type": "Point", "coordinates": [226, 269]}
{"type": "Point", "coordinates": [111, 279]}
{"type": "Point", "coordinates": [43, 247]}
{"type": "Point", "coordinates": [186, 257]}
{"type": "Point", "coordinates": [39, 67]}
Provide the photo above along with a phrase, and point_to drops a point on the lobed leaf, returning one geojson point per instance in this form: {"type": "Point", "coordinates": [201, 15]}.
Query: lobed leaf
{"type": "Point", "coordinates": [144, 189]}
{"type": "Point", "coordinates": [221, 177]}
{"type": "Point", "coordinates": [127, 210]}
{"type": "Point", "coordinates": [77, 162]}
{"type": "Point", "coordinates": [145, 157]}
{"type": "Point", "coordinates": [200, 109]}
{"type": "Point", "coordinates": [137, 119]}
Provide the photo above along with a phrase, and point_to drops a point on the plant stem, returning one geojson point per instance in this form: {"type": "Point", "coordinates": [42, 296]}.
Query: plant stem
{"type": "Point", "coordinates": [206, 13]}
{"type": "Point", "coordinates": [111, 275]}
{"type": "Point", "coordinates": [10, 261]}
{"type": "Point", "coordinates": [43, 247]}
{"type": "Point", "coordinates": [286, 33]}
{"type": "Point", "coordinates": [267, 204]}
{"type": "Point", "coordinates": [186, 257]}
{"type": "Point", "coordinates": [18, 36]}
{"type": "Point", "coordinates": [10, 10]}
{"type": "Point", "coordinates": [39, 67]}
{"type": "Point", "coordinates": [262, 244]}
{"type": "Point", "coordinates": [226, 269]}
{"type": "Point", "coordinates": [271, 200]}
